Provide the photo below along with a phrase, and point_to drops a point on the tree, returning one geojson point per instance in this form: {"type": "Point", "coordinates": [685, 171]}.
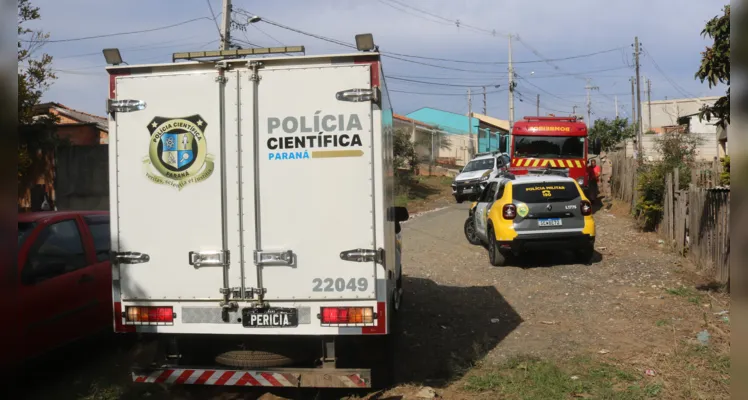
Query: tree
{"type": "Point", "coordinates": [36, 135]}
{"type": "Point", "coordinates": [715, 67]}
{"type": "Point", "coordinates": [611, 132]}
{"type": "Point", "coordinates": [405, 156]}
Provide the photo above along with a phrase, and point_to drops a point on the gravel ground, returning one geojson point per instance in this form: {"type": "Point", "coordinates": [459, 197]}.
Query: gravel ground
{"type": "Point", "coordinates": [459, 311]}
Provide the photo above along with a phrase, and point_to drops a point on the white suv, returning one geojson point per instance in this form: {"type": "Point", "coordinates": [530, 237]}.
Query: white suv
{"type": "Point", "coordinates": [471, 180]}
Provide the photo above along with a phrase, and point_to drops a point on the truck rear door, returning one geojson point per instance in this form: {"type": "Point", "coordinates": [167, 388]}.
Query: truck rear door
{"type": "Point", "coordinates": [167, 183]}
{"type": "Point", "coordinates": [315, 181]}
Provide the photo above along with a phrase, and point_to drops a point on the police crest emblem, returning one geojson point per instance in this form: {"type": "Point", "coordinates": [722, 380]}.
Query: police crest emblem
{"type": "Point", "coordinates": [178, 152]}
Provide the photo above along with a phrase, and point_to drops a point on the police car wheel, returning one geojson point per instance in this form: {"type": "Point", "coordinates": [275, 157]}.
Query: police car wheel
{"type": "Point", "coordinates": [495, 256]}
{"type": "Point", "coordinates": [469, 228]}
{"type": "Point", "coordinates": [585, 254]}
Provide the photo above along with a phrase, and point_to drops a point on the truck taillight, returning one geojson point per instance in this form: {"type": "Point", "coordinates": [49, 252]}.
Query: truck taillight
{"type": "Point", "coordinates": [346, 315]}
{"type": "Point", "coordinates": [147, 315]}
{"type": "Point", "coordinates": [509, 211]}
{"type": "Point", "coordinates": [586, 207]}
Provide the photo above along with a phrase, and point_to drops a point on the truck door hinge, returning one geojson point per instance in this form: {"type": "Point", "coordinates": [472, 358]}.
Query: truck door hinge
{"type": "Point", "coordinates": [125, 105]}
{"type": "Point", "coordinates": [212, 258]}
{"type": "Point", "coordinates": [359, 95]}
{"type": "Point", "coordinates": [363, 255]}
{"type": "Point", "coordinates": [130, 257]}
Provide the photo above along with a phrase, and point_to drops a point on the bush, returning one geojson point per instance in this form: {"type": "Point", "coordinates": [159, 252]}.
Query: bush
{"type": "Point", "coordinates": [677, 151]}
{"type": "Point", "coordinates": [724, 177]}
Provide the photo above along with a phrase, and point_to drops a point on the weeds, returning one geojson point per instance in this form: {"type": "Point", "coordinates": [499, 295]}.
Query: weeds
{"type": "Point", "coordinates": [582, 377]}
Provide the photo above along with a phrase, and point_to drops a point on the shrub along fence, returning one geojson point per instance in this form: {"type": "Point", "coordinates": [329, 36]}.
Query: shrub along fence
{"type": "Point", "coordinates": [695, 221]}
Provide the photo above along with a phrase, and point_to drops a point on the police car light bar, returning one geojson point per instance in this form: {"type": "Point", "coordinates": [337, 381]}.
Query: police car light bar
{"type": "Point", "coordinates": [191, 55]}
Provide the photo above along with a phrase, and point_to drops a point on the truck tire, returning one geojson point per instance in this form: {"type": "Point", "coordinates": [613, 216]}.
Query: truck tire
{"type": "Point", "coordinates": [459, 199]}
{"type": "Point", "coordinates": [383, 351]}
{"type": "Point", "coordinates": [253, 359]}
{"type": "Point", "coordinates": [495, 256]}
{"type": "Point", "coordinates": [469, 229]}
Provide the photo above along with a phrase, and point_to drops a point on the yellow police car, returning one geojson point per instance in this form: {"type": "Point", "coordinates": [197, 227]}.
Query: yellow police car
{"type": "Point", "coordinates": [540, 212]}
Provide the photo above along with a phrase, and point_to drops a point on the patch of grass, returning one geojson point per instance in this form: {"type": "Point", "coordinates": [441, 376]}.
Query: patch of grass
{"type": "Point", "coordinates": [662, 322]}
{"type": "Point", "coordinates": [690, 294]}
{"type": "Point", "coordinates": [582, 377]}
{"type": "Point", "coordinates": [416, 191]}
{"type": "Point", "coordinates": [104, 392]}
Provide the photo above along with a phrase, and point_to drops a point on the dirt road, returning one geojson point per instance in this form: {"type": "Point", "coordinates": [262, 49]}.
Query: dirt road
{"type": "Point", "coordinates": [634, 313]}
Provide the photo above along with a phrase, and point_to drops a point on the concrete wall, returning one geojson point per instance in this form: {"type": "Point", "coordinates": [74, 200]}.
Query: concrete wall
{"type": "Point", "coordinates": [706, 151]}
{"type": "Point", "coordinates": [667, 112]}
{"type": "Point", "coordinates": [82, 178]}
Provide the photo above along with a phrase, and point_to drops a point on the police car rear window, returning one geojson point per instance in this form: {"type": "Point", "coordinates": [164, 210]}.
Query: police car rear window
{"type": "Point", "coordinates": [544, 192]}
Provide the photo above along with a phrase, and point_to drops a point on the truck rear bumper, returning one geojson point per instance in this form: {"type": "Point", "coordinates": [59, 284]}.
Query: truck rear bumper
{"type": "Point", "coordinates": [271, 377]}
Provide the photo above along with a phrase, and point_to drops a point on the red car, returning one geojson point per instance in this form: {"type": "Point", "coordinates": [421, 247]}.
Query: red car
{"type": "Point", "coordinates": [62, 282]}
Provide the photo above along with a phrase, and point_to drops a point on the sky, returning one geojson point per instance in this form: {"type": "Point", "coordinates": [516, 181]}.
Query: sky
{"type": "Point", "coordinates": [556, 47]}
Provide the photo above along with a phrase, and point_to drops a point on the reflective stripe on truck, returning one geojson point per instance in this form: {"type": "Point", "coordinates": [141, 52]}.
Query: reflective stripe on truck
{"type": "Point", "coordinates": [279, 377]}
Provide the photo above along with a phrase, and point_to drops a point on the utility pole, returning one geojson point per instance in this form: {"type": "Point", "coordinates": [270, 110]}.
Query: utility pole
{"type": "Point", "coordinates": [511, 87]}
{"type": "Point", "coordinates": [638, 94]}
{"type": "Point", "coordinates": [633, 102]}
{"type": "Point", "coordinates": [537, 106]}
{"type": "Point", "coordinates": [471, 147]}
{"type": "Point", "coordinates": [589, 102]}
{"type": "Point", "coordinates": [226, 25]}
{"type": "Point", "coordinates": [485, 110]}
{"type": "Point", "coordinates": [649, 102]}
{"type": "Point", "coordinates": [616, 99]}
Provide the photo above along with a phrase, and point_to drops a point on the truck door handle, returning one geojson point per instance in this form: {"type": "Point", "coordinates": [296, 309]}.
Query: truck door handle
{"type": "Point", "coordinates": [131, 257]}
{"type": "Point", "coordinates": [85, 278]}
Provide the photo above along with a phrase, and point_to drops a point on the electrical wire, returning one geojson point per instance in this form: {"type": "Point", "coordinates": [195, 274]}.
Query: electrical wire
{"type": "Point", "coordinates": [134, 48]}
{"type": "Point", "coordinates": [123, 33]}
{"type": "Point", "coordinates": [672, 83]}
{"type": "Point", "coordinates": [437, 83]}
{"type": "Point", "coordinates": [439, 94]}
{"type": "Point", "coordinates": [268, 35]}
{"type": "Point", "coordinates": [215, 19]}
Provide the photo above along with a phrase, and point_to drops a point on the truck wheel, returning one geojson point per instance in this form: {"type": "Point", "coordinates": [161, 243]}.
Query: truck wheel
{"type": "Point", "coordinates": [469, 228]}
{"type": "Point", "coordinates": [253, 359]}
{"type": "Point", "coordinates": [459, 200]}
{"type": "Point", "coordinates": [495, 256]}
{"type": "Point", "coordinates": [383, 352]}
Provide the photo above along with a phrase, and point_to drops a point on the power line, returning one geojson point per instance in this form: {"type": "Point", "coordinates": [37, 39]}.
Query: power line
{"type": "Point", "coordinates": [268, 35]}
{"type": "Point", "coordinates": [439, 94]}
{"type": "Point", "coordinates": [438, 83]}
{"type": "Point", "coordinates": [215, 19]}
{"type": "Point", "coordinates": [134, 48]}
{"type": "Point", "coordinates": [672, 83]}
{"type": "Point", "coordinates": [456, 22]}
{"type": "Point", "coordinates": [416, 15]}
{"type": "Point", "coordinates": [123, 33]}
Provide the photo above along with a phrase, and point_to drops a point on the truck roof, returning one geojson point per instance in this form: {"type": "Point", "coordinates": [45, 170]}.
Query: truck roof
{"type": "Point", "coordinates": [550, 126]}
{"type": "Point", "coordinates": [240, 62]}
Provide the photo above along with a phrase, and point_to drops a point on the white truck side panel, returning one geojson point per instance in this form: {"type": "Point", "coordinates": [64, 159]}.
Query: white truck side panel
{"type": "Point", "coordinates": [316, 180]}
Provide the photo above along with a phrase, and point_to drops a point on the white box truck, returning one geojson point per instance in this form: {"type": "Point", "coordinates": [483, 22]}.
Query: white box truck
{"type": "Point", "coordinates": [254, 234]}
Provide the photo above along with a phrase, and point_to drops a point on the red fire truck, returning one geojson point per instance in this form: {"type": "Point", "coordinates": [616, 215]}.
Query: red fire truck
{"type": "Point", "coordinates": [557, 143]}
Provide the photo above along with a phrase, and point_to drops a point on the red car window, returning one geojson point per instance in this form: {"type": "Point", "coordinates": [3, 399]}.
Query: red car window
{"type": "Point", "coordinates": [99, 227]}
{"type": "Point", "coordinates": [57, 251]}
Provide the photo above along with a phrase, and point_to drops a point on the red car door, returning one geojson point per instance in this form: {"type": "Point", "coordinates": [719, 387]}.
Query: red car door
{"type": "Point", "coordinates": [100, 287]}
{"type": "Point", "coordinates": [52, 269]}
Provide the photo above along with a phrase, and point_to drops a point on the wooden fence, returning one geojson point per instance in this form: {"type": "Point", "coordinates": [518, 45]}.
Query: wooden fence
{"type": "Point", "coordinates": [623, 178]}
{"type": "Point", "coordinates": [695, 222]}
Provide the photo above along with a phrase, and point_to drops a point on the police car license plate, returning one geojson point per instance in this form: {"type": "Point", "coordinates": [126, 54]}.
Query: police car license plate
{"type": "Point", "coordinates": [270, 317]}
{"type": "Point", "coordinates": [550, 222]}
{"type": "Point", "coordinates": [467, 190]}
